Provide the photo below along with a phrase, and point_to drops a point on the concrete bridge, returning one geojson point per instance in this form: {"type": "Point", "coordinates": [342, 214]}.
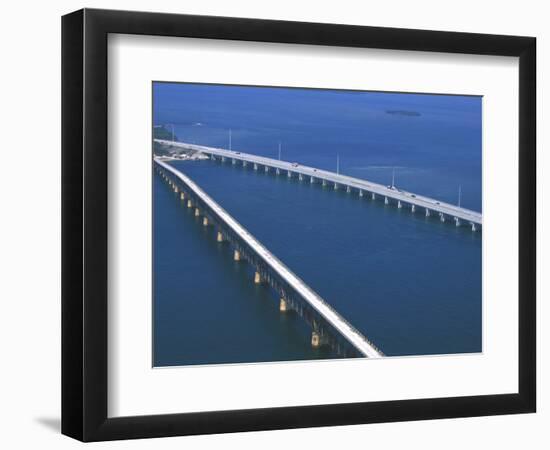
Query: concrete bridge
{"type": "Point", "coordinates": [328, 327]}
{"type": "Point", "coordinates": [446, 212]}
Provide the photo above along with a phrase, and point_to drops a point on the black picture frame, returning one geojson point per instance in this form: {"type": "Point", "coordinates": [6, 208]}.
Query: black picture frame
{"type": "Point", "coordinates": [84, 224]}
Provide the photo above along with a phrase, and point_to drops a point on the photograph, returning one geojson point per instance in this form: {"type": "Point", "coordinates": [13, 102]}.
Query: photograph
{"type": "Point", "coordinates": [275, 225]}
{"type": "Point", "coordinates": [298, 224]}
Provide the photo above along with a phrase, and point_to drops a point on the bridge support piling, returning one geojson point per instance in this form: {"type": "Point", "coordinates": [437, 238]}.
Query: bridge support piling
{"type": "Point", "coordinates": [233, 161]}
{"type": "Point", "coordinates": [197, 212]}
{"type": "Point", "coordinates": [386, 201]}
{"type": "Point", "coordinates": [182, 196]}
{"type": "Point", "coordinates": [427, 212]}
{"type": "Point", "coordinates": [442, 217]}
{"type": "Point", "coordinates": [335, 186]}
{"type": "Point", "coordinates": [255, 166]}
{"type": "Point", "coordinates": [399, 205]}
{"type": "Point", "coordinates": [189, 203]}
{"type": "Point", "coordinates": [257, 278]}
{"type": "Point", "coordinates": [348, 189]}
{"type": "Point", "coordinates": [373, 196]}
{"type": "Point", "coordinates": [266, 169]}
{"type": "Point", "coordinates": [277, 171]}
{"type": "Point", "coordinates": [473, 226]}
{"type": "Point", "coordinates": [288, 174]}
{"type": "Point", "coordinates": [236, 255]}
{"type": "Point", "coordinates": [311, 180]}
{"type": "Point", "coordinates": [360, 193]}
{"type": "Point", "coordinates": [205, 221]}
{"type": "Point", "coordinates": [283, 306]}
{"type": "Point", "coordinates": [219, 236]}
{"type": "Point", "coordinates": [324, 182]}
{"type": "Point", "coordinates": [300, 177]}
{"type": "Point", "coordinates": [457, 222]}
{"type": "Point", "coordinates": [412, 208]}
{"type": "Point", "coordinates": [317, 339]}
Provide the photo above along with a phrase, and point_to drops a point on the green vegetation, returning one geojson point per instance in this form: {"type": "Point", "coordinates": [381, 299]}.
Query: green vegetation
{"type": "Point", "coordinates": [178, 152]}
{"type": "Point", "coordinates": [161, 132]}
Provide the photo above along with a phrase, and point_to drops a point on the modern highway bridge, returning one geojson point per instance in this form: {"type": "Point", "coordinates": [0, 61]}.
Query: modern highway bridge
{"type": "Point", "coordinates": [390, 194]}
{"type": "Point", "coordinates": [328, 327]}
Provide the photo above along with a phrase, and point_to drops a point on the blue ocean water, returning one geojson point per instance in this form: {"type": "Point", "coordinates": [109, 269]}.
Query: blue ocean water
{"type": "Point", "coordinates": [411, 284]}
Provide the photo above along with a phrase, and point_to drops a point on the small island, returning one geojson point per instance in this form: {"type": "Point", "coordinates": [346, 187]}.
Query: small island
{"type": "Point", "coordinates": [402, 112]}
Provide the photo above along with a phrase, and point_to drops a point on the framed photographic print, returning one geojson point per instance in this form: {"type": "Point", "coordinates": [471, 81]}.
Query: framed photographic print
{"type": "Point", "coordinates": [273, 224]}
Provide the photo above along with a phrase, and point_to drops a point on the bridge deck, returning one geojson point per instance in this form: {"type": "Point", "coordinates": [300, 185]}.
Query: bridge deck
{"type": "Point", "coordinates": [431, 204]}
{"type": "Point", "coordinates": [324, 309]}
